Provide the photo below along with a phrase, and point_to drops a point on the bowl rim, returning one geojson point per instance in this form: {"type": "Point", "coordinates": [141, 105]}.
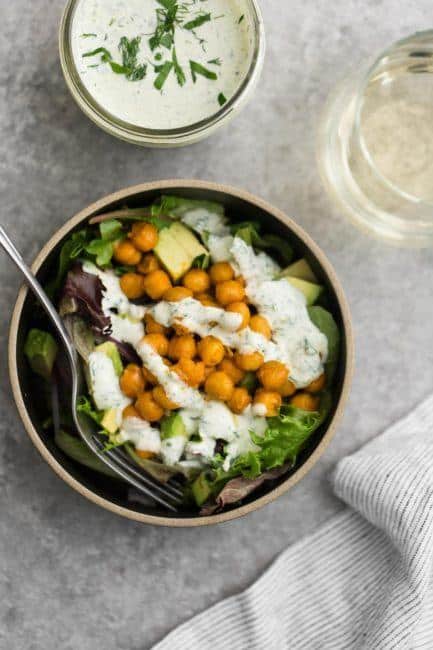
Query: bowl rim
{"type": "Point", "coordinates": [269, 496]}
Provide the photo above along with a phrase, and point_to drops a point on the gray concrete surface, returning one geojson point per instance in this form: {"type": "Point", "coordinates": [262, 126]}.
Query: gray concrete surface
{"type": "Point", "coordinates": [73, 576]}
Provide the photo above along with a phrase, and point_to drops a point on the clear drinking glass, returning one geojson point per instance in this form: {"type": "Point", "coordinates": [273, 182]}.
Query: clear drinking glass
{"type": "Point", "coordinates": [375, 144]}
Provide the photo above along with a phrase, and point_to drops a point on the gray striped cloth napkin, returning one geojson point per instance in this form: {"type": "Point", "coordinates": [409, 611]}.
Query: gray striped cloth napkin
{"type": "Point", "coordinates": [363, 580]}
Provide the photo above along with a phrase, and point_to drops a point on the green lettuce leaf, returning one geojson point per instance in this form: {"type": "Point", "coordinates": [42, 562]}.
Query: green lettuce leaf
{"type": "Point", "coordinates": [176, 207]}
{"type": "Point", "coordinates": [250, 232]}
{"type": "Point", "coordinates": [325, 322]}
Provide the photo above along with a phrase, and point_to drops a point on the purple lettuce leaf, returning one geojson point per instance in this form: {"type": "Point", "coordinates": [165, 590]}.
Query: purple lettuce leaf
{"type": "Point", "coordinates": [85, 291]}
{"type": "Point", "coordinates": [238, 488]}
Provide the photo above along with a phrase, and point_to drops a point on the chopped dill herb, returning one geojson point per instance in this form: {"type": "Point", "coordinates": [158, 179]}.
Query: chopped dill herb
{"type": "Point", "coordinates": [197, 22]}
{"type": "Point", "coordinates": [180, 75]}
{"type": "Point", "coordinates": [241, 19]}
{"type": "Point", "coordinates": [89, 35]}
{"type": "Point", "coordinates": [222, 99]}
{"type": "Point", "coordinates": [163, 70]}
{"type": "Point", "coordinates": [215, 61]}
{"type": "Point", "coordinates": [198, 69]}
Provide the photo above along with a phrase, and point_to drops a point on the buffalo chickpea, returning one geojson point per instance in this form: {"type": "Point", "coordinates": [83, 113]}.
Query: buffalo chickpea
{"type": "Point", "coordinates": [211, 350]}
{"type": "Point", "coordinates": [287, 389]}
{"type": "Point", "coordinates": [161, 398]}
{"type": "Point", "coordinates": [249, 362]}
{"type": "Point", "coordinates": [191, 372]}
{"type": "Point", "coordinates": [126, 253]}
{"type": "Point", "coordinates": [272, 375]}
{"type": "Point", "coordinates": [148, 264]}
{"type": "Point", "coordinates": [144, 453]}
{"type": "Point", "coordinates": [260, 325]}
{"type": "Point", "coordinates": [152, 327]}
{"type": "Point", "coordinates": [305, 401]}
{"type": "Point", "coordinates": [270, 400]}
{"type": "Point", "coordinates": [239, 400]}
{"type": "Point", "coordinates": [219, 386]}
{"type": "Point", "coordinates": [156, 283]}
{"type": "Point", "coordinates": [176, 294]}
{"type": "Point", "coordinates": [148, 377]}
{"type": "Point", "coordinates": [132, 381]}
{"type": "Point", "coordinates": [228, 292]}
{"type": "Point", "coordinates": [132, 285]}
{"type": "Point", "coordinates": [206, 300]}
{"type": "Point", "coordinates": [148, 408]}
{"type": "Point", "coordinates": [221, 272]}
{"type": "Point", "coordinates": [197, 280]}
{"type": "Point", "coordinates": [230, 368]}
{"type": "Point", "coordinates": [242, 309]}
{"type": "Point", "coordinates": [317, 385]}
{"type": "Point", "coordinates": [182, 346]}
{"type": "Point", "coordinates": [159, 343]}
{"type": "Point", "coordinates": [144, 236]}
{"type": "Point", "coordinates": [130, 412]}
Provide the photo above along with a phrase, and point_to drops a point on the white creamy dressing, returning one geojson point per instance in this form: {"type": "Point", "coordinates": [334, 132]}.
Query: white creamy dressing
{"type": "Point", "coordinates": [139, 102]}
{"type": "Point", "coordinates": [106, 391]}
{"type": "Point", "coordinates": [126, 324]}
{"type": "Point", "coordinates": [172, 449]}
{"type": "Point", "coordinates": [143, 436]}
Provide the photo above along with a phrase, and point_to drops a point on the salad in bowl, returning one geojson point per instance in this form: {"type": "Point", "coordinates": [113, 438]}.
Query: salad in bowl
{"type": "Point", "coordinates": [208, 348]}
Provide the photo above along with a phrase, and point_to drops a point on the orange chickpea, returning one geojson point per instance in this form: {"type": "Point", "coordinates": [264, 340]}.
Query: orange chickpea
{"type": "Point", "coordinates": [305, 401]}
{"type": "Point", "coordinates": [176, 294]}
{"type": "Point", "coordinates": [152, 327]}
{"type": "Point", "coordinates": [230, 291]}
{"type": "Point", "coordinates": [156, 283]}
{"type": "Point", "coordinates": [132, 285]}
{"type": "Point", "coordinates": [317, 385]}
{"type": "Point", "coordinates": [182, 346]}
{"type": "Point", "coordinates": [143, 453]}
{"type": "Point", "coordinates": [260, 325]}
{"type": "Point", "coordinates": [148, 264]}
{"type": "Point", "coordinates": [230, 368]}
{"type": "Point", "coordinates": [249, 362]}
{"type": "Point", "coordinates": [242, 309]}
{"type": "Point", "coordinates": [148, 377]}
{"type": "Point", "coordinates": [132, 381]}
{"type": "Point", "coordinates": [221, 272]}
{"type": "Point", "coordinates": [126, 253]}
{"type": "Point", "coordinates": [148, 408]}
{"type": "Point", "coordinates": [161, 398]}
{"type": "Point", "coordinates": [130, 412]}
{"type": "Point", "coordinates": [197, 280]}
{"type": "Point", "coordinates": [287, 389]}
{"type": "Point", "coordinates": [206, 300]}
{"type": "Point", "coordinates": [191, 372]}
{"type": "Point", "coordinates": [144, 236]}
{"type": "Point", "coordinates": [270, 400]}
{"type": "Point", "coordinates": [219, 386]}
{"type": "Point", "coordinates": [159, 343]}
{"type": "Point", "coordinates": [211, 350]}
{"type": "Point", "coordinates": [272, 375]}
{"type": "Point", "coordinates": [239, 400]}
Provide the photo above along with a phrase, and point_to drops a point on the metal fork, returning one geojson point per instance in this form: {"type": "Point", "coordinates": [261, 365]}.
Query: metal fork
{"type": "Point", "coordinates": [168, 495]}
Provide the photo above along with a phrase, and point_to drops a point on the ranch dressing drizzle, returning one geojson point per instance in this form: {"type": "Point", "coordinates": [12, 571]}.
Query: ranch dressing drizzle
{"type": "Point", "coordinates": [224, 45]}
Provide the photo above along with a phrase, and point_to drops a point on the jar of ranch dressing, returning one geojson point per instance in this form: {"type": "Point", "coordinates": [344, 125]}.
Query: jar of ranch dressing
{"type": "Point", "coordinates": [161, 72]}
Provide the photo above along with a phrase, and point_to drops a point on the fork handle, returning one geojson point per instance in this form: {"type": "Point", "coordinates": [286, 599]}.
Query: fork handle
{"type": "Point", "coordinates": [39, 292]}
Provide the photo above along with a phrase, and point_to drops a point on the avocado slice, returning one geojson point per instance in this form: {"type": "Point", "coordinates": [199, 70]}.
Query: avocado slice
{"type": "Point", "coordinates": [110, 350]}
{"type": "Point", "coordinates": [40, 349]}
{"type": "Point", "coordinates": [177, 248]}
{"type": "Point", "coordinates": [173, 426]}
{"type": "Point", "coordinates": [310, 290]}
{"type": "Point", "coordinates": [109, 421]}
{"type": "Point", "coordinates": [201, 489]}
{"type": "Point", "coordinates": [301, 270]}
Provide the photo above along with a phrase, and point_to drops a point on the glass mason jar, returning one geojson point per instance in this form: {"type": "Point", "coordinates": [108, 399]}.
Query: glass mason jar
{"type": "Point", "coordinates": [161, 137]}
{"type": "Point", "coordinates": [375, 143]}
